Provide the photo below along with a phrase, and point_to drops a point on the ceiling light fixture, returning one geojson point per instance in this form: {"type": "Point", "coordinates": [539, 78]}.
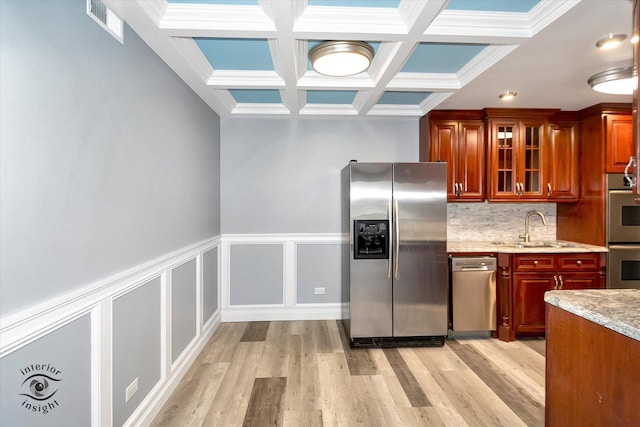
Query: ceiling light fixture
{"type": "Point", "coordinates": [611, 41]}
{"type": "Point", "coordinates": [615, 81]}
{"type": "Point", "coordinates": [508, 95]}
{"type": "Point", "coordinates": [341, 58]}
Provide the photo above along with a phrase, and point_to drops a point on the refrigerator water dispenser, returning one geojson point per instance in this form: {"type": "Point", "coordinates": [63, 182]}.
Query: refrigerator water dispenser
{"type": "Point", "coordinates": [371, 239]}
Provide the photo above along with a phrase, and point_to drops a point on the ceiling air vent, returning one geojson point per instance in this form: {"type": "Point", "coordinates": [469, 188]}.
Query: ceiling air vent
{"type": "Point", "coordinates": [108, 20]}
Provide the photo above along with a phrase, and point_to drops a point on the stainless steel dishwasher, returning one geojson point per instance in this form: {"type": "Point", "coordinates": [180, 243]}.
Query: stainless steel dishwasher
{"type": "Point", "coordinates": [473, 294]}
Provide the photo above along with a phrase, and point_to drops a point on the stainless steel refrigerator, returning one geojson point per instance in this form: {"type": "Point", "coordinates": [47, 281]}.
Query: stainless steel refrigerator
{"type": "Point", "coordinates": [395, 270]}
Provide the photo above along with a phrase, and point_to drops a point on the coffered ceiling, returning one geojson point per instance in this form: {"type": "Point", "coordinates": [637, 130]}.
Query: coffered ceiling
{"type": "Point", "coordinates": [250, 56]}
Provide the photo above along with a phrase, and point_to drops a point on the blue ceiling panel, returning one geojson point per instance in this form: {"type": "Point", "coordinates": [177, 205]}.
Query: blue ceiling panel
{"type": "Point", "coordinates": [355, 3]}
{"type": "Point", "coordinates": [403, 98]}
{"type": "Point", "coordinates": [331, 96]}
{"type": "Point", "coordinates": [441, 57]}
{"type": "Point", "coordinates": [227, 2]}
{"type": "Point", "coordinates": [259, 96]}
{"type": "Point", "coordinates": [222, 54]}
{"type": "Point", "coordinates": [493, 5]}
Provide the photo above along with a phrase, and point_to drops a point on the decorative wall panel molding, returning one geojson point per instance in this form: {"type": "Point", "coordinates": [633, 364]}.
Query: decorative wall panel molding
{"type": "Point", "coordinates": [25, 327]}
{"type": "Point", "coordinates": [287, 308]}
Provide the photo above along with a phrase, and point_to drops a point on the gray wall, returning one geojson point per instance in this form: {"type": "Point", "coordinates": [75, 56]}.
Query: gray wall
{"type": "Point", "coordinates": [319, 267]}
{"type": "Point", "coordinates": [136, 346]}
{"type": "Point", "coordinates": [256, 274]}
{"type": "Point", "coordinates": [282, 175]}
{"type": "Point", "coordinates": [107, 158]}
{"type": "Point", "coordinates": [183, 303]}
{"type": "Point", "coordinates": [209, 284]}
{"type": "Point", "coordinates": [71, 363]}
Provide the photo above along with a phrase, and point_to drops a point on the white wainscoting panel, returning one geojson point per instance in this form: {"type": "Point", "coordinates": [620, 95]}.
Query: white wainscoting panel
{"type": "Point", "coordinates": [22, 328]}
{"type": "Point", "coordinates": [289, 309]}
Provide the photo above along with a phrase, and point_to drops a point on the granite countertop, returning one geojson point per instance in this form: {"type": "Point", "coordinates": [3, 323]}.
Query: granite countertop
{"type": "Point", "coordinates": [616, 309]}
{"type": "Point", "coordinates": [560, 246]}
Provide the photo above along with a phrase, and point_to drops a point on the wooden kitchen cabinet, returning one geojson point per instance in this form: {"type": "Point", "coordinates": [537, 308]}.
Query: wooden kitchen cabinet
{"type": "Point", "coordinates": [562, 164]}
{"type": "Point", "coordinates": [524, 278]}
{"type": "Point", "coordinates": [604, 146]}
{"type": "Point", "coordinates": [457, 138]}
{"type": "Point", "coordinates": [517, 154]}
{"type": "Point", "coordinates": [619, 141]}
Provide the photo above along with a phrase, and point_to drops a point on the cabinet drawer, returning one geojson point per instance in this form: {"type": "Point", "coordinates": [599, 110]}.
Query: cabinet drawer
{"type": "Point", "coordinates": [533, 262]}
{"type": "Point", "coordinates": [578, 262]}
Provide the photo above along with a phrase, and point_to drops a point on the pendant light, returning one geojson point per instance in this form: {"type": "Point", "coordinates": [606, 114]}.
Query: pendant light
{"type": "Point", "coordinates": [341, 58]}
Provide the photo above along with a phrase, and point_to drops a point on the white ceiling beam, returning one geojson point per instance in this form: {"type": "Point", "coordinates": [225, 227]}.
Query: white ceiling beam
{"type": "Point", "coordinates": [207, 20]}
{"type": "Point", "coordinates": [286, 52]}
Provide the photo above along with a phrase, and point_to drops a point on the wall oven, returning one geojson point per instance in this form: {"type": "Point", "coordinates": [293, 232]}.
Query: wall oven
{"type": "Point", "coordinates": [623, 234]}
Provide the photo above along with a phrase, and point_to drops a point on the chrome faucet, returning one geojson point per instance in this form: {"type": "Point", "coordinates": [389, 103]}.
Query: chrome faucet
{"type": "Point", "coordinates": [526, 235]}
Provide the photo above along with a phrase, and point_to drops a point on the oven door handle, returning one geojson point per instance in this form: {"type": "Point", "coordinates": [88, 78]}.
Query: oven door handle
{"type": "Point", "coordinates": [629, 247]}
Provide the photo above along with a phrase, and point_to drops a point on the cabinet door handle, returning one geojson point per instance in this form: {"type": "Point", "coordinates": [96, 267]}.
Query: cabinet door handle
{"type": "Point", "coordinates": [579, 263]}
{"type": "Point", "coordinates": [555, 278]}
{"type": "Point", "coordinates": [535, 263]}
{"type": "Point", "coordinates": [548, 189]}
{"type": "Point", "coordinates": [561, 282]}
{"type": "Point", "coordinates": [460, 189]}
{"type": "Point", "coordinates": [455, 188]}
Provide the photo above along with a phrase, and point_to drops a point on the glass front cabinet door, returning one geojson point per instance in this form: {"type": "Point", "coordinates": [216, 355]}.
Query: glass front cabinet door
{"type": "Point", "coordinates": [516, 159]}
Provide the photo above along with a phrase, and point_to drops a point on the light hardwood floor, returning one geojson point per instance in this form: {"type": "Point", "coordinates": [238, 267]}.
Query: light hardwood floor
{"type": "Point", "coordinates": [303, 373]}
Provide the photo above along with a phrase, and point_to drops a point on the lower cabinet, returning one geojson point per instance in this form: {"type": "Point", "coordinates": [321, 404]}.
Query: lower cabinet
{"type": "Point", "coordinates": [529, 289]}
{"type": "Point", "coordinates": [524, 278]}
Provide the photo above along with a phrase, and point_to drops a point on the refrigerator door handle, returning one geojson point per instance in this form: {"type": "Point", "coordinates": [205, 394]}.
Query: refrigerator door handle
{"type": "Point", "coordinates": [391, 235]}
{"type": "Point", "coordinates": [396, 237]}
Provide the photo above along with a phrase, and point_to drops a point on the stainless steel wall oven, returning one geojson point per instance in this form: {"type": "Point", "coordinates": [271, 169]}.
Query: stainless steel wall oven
{"type": "Point", "coordinates": [623, 234]}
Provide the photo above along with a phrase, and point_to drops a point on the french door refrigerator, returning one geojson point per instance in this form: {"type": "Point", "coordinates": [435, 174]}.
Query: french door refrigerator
{"type": "Point", "coordinates": [395, 269]}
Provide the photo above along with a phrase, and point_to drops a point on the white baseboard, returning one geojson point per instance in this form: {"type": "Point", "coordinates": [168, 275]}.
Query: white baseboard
{"type": "Point", "coordinates": [252, 313]}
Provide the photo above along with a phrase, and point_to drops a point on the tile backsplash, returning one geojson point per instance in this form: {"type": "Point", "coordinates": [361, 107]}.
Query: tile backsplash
{"type": "Point", "coordinates": [498, 221]}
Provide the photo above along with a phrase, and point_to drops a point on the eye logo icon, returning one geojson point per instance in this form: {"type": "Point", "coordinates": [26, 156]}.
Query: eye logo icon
{"type": "Point", "coordinates": [40, 387]}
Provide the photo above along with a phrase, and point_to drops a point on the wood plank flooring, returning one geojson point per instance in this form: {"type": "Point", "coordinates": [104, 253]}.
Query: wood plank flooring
{"type": "Point", "coordinates": [303, 373]}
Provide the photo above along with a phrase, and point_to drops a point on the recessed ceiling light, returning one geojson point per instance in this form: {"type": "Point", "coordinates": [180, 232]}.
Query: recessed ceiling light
{"type": "Point", "coordinates": [341, 58]}
{"type": "Point", "coordinates": [508, 95]}
{"type": "Point", "coordinates": [615, 81]}
{"type": "Point", "coordinates": [611, 41]}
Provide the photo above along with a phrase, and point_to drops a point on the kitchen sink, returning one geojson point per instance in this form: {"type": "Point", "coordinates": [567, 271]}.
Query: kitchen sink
{"type": "Point", "coordinates": [554, 244]}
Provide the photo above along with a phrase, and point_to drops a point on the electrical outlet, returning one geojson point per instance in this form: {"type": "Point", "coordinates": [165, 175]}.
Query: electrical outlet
{"type": "Point", "coordinates": [318, 291]}
{"type": "Point", "coordinates": [454, 221]}
{"type": "Point", "coordinates": [131, 389]}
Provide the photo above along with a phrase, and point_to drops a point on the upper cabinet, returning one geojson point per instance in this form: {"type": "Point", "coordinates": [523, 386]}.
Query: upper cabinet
{"type": "Point", "coordinates": [528, 155]}
{"type": "Point", "coordinates": [518, 154]}
{"type": "Point", "coordinates": [619, 141]}
{"type": "Point", "coordinates": [562, 161]}
{"type": "Point", "coordinates": [457, 138]}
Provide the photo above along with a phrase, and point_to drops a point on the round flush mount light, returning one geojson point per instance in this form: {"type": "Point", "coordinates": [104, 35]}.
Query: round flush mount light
{"type": "Point", "coordinates": [615, 81]}
{"type": "Point", "coordinates": [611, 41]}
{"type": "Point", "coordinates": [508, 95]}
{"type": "Point", "coordinates": [341, 58]}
